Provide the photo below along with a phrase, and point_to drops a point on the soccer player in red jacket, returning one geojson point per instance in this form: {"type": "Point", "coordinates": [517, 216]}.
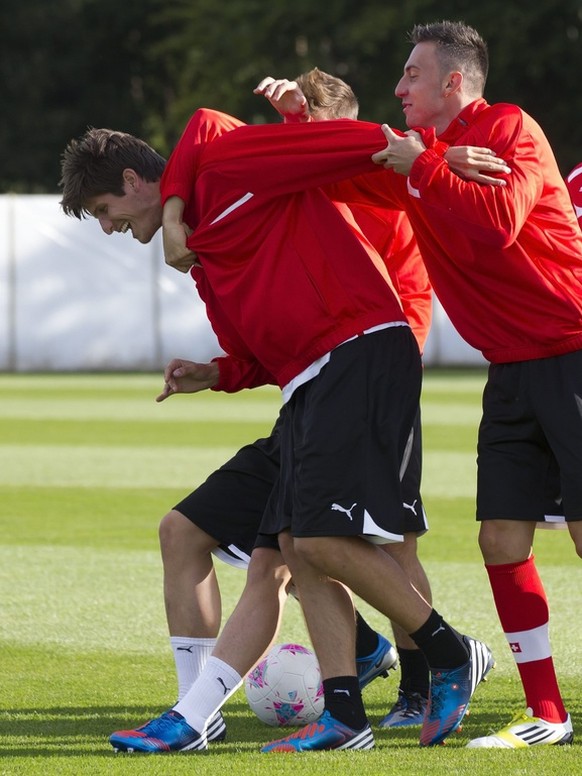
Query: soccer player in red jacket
{"type": "Point", "coordinates": [312, 301]}
{"type": "Point", "coordinates": [506, 263]}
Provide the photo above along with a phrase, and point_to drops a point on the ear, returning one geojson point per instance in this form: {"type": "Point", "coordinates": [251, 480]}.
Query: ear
{"type": "Point", "coordinates": [130, 178]}
{"type": "Point", "coordinates": [453, 83]}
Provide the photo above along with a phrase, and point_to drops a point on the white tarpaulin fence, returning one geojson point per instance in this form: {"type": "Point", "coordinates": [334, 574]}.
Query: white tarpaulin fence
{"type": "Point", "coordinates": [72, 299]}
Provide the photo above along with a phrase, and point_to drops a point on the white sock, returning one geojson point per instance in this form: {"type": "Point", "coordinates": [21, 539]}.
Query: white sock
{"type": "Point", "coordinates": [216, 683]}
{"type": "Point", "coordinates": [190, 656]}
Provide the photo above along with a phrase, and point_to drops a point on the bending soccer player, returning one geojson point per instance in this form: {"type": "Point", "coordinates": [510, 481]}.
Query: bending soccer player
{"type": "Point", "coordinates": [302, 332]}
{"type": "Point", "coordinates": [222, 516]}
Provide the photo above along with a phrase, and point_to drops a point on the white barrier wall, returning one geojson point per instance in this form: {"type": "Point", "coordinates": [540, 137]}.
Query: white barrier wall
{"type": "Point", "coordinates": [73, 299]}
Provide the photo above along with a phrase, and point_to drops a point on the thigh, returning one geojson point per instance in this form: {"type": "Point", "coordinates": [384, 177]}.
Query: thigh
{"type": "Point", "coordinates": [515, 464]}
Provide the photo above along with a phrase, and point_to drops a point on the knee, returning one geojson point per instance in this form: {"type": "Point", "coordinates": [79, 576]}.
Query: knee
{"type": "Point", "coordinates": [505, 541]}
{"type": "Point", "coordinates": [490, 541]}
{"type": "Point", "coordinates": [267, 569]}
{"type": "Point", "coordinates": [314, 551]}
{"type": "Point", "coordinates": [405, 553]}
{"type": "Point", "coordinates": [322, 555]}
{"type": "Point", "coordinates": [578, 545]}
{"type": "Point", "coordinates": [170, 528]}
{"type": "Point", "coordinates": [178, 534]}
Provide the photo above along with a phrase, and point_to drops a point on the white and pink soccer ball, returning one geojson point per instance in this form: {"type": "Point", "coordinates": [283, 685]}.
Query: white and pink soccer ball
{"type": "Point", "coordinates": [285, 686]}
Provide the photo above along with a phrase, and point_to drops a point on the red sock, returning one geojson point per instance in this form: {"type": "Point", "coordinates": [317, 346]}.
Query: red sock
{"type": "Point", "coordinates": [523, 611]}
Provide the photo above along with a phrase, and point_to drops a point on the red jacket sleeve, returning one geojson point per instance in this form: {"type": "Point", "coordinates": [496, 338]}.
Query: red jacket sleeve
{"type": "Point", "coordinates": [236, 374]}
{"type": "Point", "coordinates": [278, 159]}
{"type": "Point", "coordinates": [490, 214]}
{"type": "Point", "coordinates": [203, 127]}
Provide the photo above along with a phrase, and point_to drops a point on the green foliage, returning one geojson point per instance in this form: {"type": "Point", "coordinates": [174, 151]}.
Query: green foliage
{"type": "Point", "coordinates": [144, 65]}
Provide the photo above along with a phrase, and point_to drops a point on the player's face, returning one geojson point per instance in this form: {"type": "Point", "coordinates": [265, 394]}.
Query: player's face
{"type": "Point", "coordinates": [422, 89]}
{"type": "Point", "coordinates": [138, 210]}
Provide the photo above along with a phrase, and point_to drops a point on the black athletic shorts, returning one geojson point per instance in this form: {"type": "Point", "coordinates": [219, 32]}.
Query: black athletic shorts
{"type": "Point", "coordinates": [530, 440]}
{"type": "Point", "coordinates": [229, 505]}
{"type": "Point", "coordinates": [345, 441]}
{"type": "Point", "coordinates": [412, 507]}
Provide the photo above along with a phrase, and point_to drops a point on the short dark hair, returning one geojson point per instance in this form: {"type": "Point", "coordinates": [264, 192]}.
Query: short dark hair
{"type": "Point", "coordinates": [459, 47]}
{"type": "Point", "coordinates": [94, 163]}
{"type": "Point", "coordinates": [328, 97]}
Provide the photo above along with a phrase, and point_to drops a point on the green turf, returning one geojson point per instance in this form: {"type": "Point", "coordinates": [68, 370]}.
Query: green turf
{"type": "Point", "coordinates": [89, 464]}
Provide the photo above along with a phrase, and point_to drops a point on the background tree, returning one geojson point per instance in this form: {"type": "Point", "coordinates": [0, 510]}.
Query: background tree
{"type": "Point", "coordinates": [64, 65]}
{"type": "Point", "coordinates": [145, 65]}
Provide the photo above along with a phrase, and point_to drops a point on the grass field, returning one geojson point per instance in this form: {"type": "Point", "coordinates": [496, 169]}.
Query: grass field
{"type": "Point", "coordinates": [89, 464]}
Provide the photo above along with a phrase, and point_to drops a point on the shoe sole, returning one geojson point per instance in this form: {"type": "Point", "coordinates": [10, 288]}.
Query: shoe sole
{"type": "Point", "coordinates": [534, 736]}
{"type": "Point", "coordinates": [199, 744]}
{"type": "Point", "coordinates": [362, 740]}
{"type": "Point", "coordinates": [131, 750]}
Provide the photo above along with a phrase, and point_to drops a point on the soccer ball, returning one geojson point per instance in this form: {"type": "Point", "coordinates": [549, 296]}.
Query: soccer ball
{"type": "Point", "coordinates": [285, 687]}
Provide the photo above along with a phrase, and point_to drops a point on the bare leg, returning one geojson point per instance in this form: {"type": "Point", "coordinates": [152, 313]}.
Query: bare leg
{"type": "Point", "coordinates": [247, 635]}
{"type": "Point", "coordinates": [506, 541]}
{"type": "Point", "coordinates": [406, 555]}
{"type": "Point", "coordinates": [253, 625]}
{"type": "Point", "coordinates": [576, 534]}
{"type": "Point", "coordinates": [191, 592]}
{"type": "Point", "coordinates": [328, 609]}
{"type": "Point", "coordinates": [369, 573]}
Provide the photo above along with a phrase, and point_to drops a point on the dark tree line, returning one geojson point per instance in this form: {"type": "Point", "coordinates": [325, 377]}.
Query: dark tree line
{"type": "Point", "coordinates": [144, 65]}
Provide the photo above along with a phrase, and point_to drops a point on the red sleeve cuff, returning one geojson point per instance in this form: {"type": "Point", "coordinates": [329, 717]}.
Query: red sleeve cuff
{"type": "Point", "coordinates": [430, 158]}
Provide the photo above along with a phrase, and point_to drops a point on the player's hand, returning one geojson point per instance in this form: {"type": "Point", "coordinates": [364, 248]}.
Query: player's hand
{"type": "Point", "coordinates": [176, 253]}
{"type": "Point", "coordinates": [181, 376]}
{"type": "Point", "coordinates": [477, 164]}
{"type": "Point", "coordinates": [401, 151]}
{"type": "Point", "coordinates": [285, 96]}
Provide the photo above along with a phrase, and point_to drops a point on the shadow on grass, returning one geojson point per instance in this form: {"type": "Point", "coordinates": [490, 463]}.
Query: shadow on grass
{"type": "Point", "coordinates": [77, 731]}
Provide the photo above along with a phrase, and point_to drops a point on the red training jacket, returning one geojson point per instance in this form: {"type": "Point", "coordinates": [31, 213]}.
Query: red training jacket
{"type": "Point", "coordinates": [506, 262]}
{"type": "Point", "coordinates": [289, 271]}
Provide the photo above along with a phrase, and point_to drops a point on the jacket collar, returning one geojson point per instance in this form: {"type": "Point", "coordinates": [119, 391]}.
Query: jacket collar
{"type": "Point", "coordinates": [459, 124]}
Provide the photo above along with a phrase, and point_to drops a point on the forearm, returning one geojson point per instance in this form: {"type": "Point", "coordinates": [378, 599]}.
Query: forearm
{"type": "Point", "coordinates": [173, 211]}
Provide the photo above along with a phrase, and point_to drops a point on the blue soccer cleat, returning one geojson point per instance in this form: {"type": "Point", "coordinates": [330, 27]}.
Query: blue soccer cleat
{"type": "Point", "coordinates": [168, 733]}
{"type": "Point", "coordinates": [408, 710]}
{"type": "Point", "coordinates": [326, 733]}
{"type": "Point", "coordinates": [383, 659]}
{"type": "Point", "coordinates": [450, 693]}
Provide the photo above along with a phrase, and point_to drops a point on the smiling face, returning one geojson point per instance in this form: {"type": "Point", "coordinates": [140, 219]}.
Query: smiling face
{"type": "Point", "coordinates": [430, 97]}
{"type": "Point", "coordinates": [139, 209]}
